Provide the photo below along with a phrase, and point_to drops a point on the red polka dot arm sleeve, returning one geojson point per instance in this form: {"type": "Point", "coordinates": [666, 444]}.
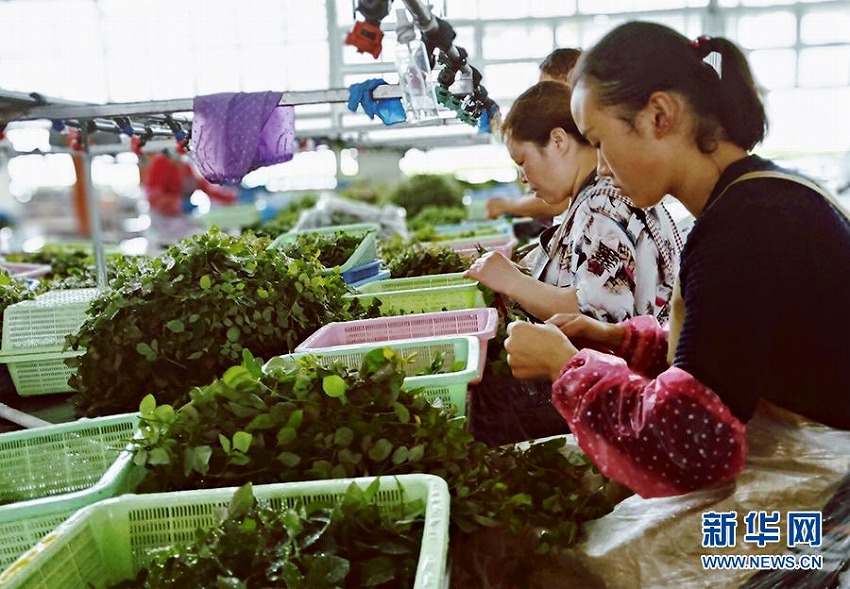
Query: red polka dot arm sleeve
{"type": "Point", "coordinates": [659, 437]}
{"type": "Point", "coordinates": [644, 346]}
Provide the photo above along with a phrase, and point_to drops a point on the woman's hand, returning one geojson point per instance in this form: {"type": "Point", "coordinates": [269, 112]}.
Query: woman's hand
{"type": "Point", "coordinates": [537, 351]}
{"type": "Point", "coordinates": [581, 327]}
{"type": "Point", "coordinates": [495, 271]}
{"type": "Point", "coordinates": [496, 207]}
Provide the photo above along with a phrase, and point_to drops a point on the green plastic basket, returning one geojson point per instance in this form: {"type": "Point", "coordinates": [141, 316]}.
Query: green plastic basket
{"type": "Point", "coordinates": [34, 337]}
{"type": "Point", "coordinates": [473, 230]}
{"type": "Point", "coordinates": [422, 294]}
{"type": "Point", "coordinates": [442, 390]}
{"type": "Point", "coordinates": [365, 253]}
{"type": "Point", "coordinates": [41, 374]}
{"type": "Point", "coordinates": [110, 541]}
{"type": "Point", "coordinates": [233, 216]}
{"type": "Point", "coordinates": [50, 472]}
{"type": "Point", "coordinates": [41, 324]}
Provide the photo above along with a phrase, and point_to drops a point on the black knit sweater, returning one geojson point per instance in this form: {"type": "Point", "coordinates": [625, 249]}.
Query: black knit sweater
{"type": "Point", "coordinates": [765, 276]}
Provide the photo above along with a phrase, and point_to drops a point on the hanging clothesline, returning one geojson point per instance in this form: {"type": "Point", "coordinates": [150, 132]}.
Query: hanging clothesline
{"type": "Point", "coordinates": [160, 107]}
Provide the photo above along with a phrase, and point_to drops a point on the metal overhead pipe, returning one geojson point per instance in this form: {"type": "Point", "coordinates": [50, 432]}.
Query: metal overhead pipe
{"type": "Point", "coordinates": [94, 213]}
{"type": "Point", "coordinates": [422, 15]}
{"type": "Point", "coordinates": [156, 107]}
{"type": "Point", "coordinates": [106, 126]}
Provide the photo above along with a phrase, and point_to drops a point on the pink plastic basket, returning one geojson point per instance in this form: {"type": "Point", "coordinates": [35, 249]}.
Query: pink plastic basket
{"type": "Point", "coordinates": [20, 271]}
{"type": "Point", "coordinates": [480, 323]}
{"type": "Point", "coordinates": [503, 245]}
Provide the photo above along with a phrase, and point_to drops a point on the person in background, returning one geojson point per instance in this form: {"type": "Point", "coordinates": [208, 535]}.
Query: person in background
{"type": "Point", "coordinates": [760, 319]}
{"type": "Point", "coordinates": [555, 67]}
{"type": "Point", "coordinates": [169, 182]}
{"type": "Point", "coordinates": [608, 259]}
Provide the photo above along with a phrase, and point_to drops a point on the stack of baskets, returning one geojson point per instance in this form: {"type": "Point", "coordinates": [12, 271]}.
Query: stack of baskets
{"type": "Point", "coordinates": [50, 472]}
{"type": "Point", "coordinates": [34, 334]}
{"type": "Point", "coordinates": [479, 323]}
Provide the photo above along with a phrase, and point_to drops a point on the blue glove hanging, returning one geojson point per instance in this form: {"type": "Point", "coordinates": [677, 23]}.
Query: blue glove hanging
{"type": "Point", "coordinates": [389, 110]}
{"type": "Point", "coordinates": [484, 121]}
{"type": "Point", "coordinates": [187, 206]}
{"type": "Point", "coordinates": [486, 118]}
{"type": "Point", "coordinates": [247, 195]}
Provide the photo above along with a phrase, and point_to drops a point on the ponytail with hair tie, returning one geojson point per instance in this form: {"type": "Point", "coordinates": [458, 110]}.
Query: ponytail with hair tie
{"type": "Point", "coordinates": [706, 50]}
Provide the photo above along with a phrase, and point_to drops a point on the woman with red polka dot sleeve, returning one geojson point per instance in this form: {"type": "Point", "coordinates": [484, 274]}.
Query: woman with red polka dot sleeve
{"type": "Point", "coordinates": [759, 316]}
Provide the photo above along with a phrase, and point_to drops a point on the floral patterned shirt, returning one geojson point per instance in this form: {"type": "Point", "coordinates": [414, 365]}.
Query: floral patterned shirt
{"type": "Point", "coordinates": [622, 260]}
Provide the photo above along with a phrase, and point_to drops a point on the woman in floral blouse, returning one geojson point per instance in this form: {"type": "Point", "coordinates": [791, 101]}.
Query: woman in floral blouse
{"type": "Point", "coordinates": [608, 259]}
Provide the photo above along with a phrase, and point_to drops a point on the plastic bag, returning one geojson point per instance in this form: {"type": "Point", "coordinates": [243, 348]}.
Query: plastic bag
{"type": "Point", "coordinates": [332, 210]}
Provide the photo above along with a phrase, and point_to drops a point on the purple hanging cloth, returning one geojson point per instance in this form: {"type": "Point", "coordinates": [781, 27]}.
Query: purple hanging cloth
{"type": "Point", "coordinates": [236, 132]}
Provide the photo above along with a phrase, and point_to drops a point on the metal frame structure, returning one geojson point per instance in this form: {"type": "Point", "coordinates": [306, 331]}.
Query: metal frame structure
{"type": "Point", "coordinates": [65, 111]}
{"type": "Point", "coordinates": [21, 107]}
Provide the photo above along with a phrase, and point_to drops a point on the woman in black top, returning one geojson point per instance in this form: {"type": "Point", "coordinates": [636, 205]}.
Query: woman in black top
{"type": "Point", "coordinates": [762, 311]}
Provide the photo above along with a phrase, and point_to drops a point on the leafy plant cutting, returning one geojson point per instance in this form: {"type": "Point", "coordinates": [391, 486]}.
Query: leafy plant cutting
{"type": "Point", "coordinates": [411, 259]}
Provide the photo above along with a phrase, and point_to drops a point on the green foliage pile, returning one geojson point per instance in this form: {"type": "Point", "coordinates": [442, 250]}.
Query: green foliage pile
{"type": "Point", "coordinates": [71, 267]}
{"type": "Point", "coordinates": [509, 311]}
{"type": "Point", "coordinates": [343, 218]}
{"type": "Point", "coordinates": [366, 191]}
{"type": "Point", "coordinates": [427, 190]}
{"type": "Point", "coordinates": [473, 233]}
{"type": "Point", "coordinates": [182, 318]}
{"type": "Point", "coordinates": [284, 220]}
{"type": "Point", "coordinates": [431, 216]}
{"type": "Point", "coordinates": [413, 259]}
{"type": "Point", "coordinates": [330, 249]}
{"type": "Point", "coordinates": [64, 261]}
{"type": "Point", "coordinates": [302, 421]}
{"type": "Point", "coordinates": [347, 543]}
{"type": "Point", "coordinates": [12, 291]}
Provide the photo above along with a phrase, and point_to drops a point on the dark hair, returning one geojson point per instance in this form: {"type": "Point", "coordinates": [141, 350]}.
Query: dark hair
{"type": "Point", "coordinates": [538, 110]}
{"type": "Point", "coordinates": [560, 63]}
{"type": "Point", "coordinates": [639, 58]}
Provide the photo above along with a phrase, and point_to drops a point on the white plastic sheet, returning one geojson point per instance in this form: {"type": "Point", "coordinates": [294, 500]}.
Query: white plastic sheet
{"type": "Point", "coordinates": [793, 465]}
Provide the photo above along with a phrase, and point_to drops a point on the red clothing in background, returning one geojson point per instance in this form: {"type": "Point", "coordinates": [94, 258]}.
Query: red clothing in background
{"type": "Point", "coordinates": [169, 181]}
